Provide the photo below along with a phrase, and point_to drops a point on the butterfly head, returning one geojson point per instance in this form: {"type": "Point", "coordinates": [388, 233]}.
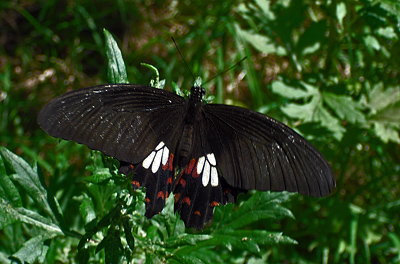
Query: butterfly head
{"type": "Point", "coordinates": [197, 93]}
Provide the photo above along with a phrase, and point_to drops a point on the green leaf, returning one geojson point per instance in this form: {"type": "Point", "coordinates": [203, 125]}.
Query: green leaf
{"type": "Point", "coordinates": [287, 91]}
{"type": "Point", "coordinates": [260, 206]}
{"type": "Point", "coordinates": [387, 132]}
{"type": "Point", "coordinates": [305, 112]}
{"type": "Point", "coordinates": [328, 121]}
{"type": "Point", "coordinates": [345, 107]}
{"type": "Point", "coordinates": [128, 233]}
{"type": "Point", "coordinates": [387, 32]}
{"type": "Point", "coordinates": [185, 239]}
{"type": "Point", "coordinates": [100, 175]}
{"type": "Point", "coordinates": [116, 65]}
{"type": "Point", "coordinates": [315, 112]}
{"type": "Point", "coordinates": [341, 12]}
{"type": "Point", "coordinates": [86, 209]}
{"type": "Point", "coordinates": [260, 42]}
{"type": "Point", "coordinates": [8, 190]}
{"type": "Point", "coordinates": [372, 42]}
{"type": "Point", "coordinates": [7, 216]}
{"type": "Point", "coordinates": [155, 83]}
{"type": "Point", "coordinates": [34, 250]}
{"type": "Point", "coordinates": [379, 98]}
{"type": "Point", "coordinates": [28, 179]}
{"type": "Point", "coordinates": [200, 255]}
{"type": "Point", "coordinates": [113, 247]}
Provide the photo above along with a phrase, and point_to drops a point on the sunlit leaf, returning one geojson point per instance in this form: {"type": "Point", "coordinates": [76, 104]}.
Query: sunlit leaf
{"type": "Point", "coordinates": [372, 42]}
{"type": "Point", "coordinates": [345, 107]}
{"type": "Point", "coordinates": [116, 64]}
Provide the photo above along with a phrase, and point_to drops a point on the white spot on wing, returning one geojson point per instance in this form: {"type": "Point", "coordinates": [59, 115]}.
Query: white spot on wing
{"type": "Point", "coordinates": [207, 167]}
{"type": "Point", "coordinates": [211, 159]}
{"type": "Point", "coordinates": [165, 155]}
{"type": "Point", "coordinates": [156, 158]}
{"type": "Point", "coordinates": [200, 164]}
{"type": "Point", "coordinates": [206, 174]}
{"type": "Point", "coordinates": [214, 176]}
{"type": "Point", "coordinates": [157, 161]}
{"type": "Point", "coordinates": [160, 145]}
{"type": "Point", "coordinates": [147, 161]}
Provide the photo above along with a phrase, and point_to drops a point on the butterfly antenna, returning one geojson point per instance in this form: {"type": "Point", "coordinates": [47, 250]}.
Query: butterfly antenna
{"type": "Point", "coordinates": [230, 68]}
{"type": "Point", "coordinates": [176, 45]}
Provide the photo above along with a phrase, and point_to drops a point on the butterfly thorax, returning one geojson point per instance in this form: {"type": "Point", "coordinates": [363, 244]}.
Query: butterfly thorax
{"type": "Point", "coordinates": [187, 137]}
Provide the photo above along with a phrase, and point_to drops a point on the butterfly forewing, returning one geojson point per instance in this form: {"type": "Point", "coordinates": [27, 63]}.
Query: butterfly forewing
{"type": "Point", "coordinates": [258, 152]}
{"type": "Point", "coordinates": [121, 120]}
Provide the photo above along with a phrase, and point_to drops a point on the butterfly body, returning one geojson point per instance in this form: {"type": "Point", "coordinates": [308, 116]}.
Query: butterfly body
{"type": "Point", "coordinates": [205, 154]}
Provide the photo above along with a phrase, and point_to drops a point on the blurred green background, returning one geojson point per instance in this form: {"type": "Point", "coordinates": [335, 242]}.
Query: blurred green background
{"type": "Point", "coordinates": [328, 69]}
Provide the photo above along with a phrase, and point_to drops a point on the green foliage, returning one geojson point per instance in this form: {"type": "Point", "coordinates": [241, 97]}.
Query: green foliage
{"type": "Point", "coordinates": [329, 69]}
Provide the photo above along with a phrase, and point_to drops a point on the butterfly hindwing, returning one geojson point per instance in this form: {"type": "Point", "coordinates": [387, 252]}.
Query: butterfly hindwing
{"type": "Point", "coordinates": [200, 187]}
{"type": "Point", "coordinates": [124, 121]}
{"type": "Point", "coordinates": [155, 173]}
{"type": "Point", "coordinates": [254, 151]}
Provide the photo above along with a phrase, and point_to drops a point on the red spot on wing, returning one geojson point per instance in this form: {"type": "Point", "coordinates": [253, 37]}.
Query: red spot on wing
{"type": "Point", "coordinates": [168, 165]}
{"type": "Point", "coordinates": [169, 180]}
{"type": "Point", "coordinates": [147, 200]}
{"type": "Point", "coordinates": [213, 204]}
{"type": "Point", "coordinates": [132, 167]}
{"type": "Point", "coordinates": [190, 167]}
{"type": "Point", "coordinates": [161, 195]}
{"type": "Point", "coordinates": [183, 182]}
{"type": "Point", "coordinates": [170, 161]}
{"type": "Point", "coordinates": [177, 196]}
{"type": "Point", "coordinates": [197, 213]}
{"type": "Point", "coordinates": [194, 173]}
{"type": "Point", "coordinates": [136, 183]}
{"type": "Point", "coordinates": [186, 200]}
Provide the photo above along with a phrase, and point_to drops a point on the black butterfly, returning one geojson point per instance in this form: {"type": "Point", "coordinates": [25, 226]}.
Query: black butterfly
{"type": "Point", "coordinates": [205, 154]}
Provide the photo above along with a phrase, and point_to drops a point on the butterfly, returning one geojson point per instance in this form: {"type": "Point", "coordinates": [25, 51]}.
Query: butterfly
{"type": "Point", "coordinates": [203, 154]}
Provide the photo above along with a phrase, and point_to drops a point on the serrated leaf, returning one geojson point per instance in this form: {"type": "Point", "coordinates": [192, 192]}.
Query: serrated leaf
{"type": "Point", "coordinates": [389, 115]}
{"type": "Point", "coordinates": [262, 205]}
{"type": "Point", "coordinates": [200, 255]}
{"type": "Point", "coordinates": [8, 190]}
{"type": "Point", "coordinates": [250, 240]}
{"type": "Point", "coordinates": [259, 42]}
{"type": "Point", "coordinates": [328, 121]}
{"type": "Point", "coordinates": [345, 107]}
{"type": "Point", "coordinates": [6, 215]}
{"type": "Point", "coordinates": [379, 98]}
{"type": "Point", "coordinates": [34, 250]}
{"type": "Point", "coordinates": [28, 179]}
{"type": "Point", "coordinates": [10, 214]}
{"type": "Point", "coordinates": [185, 239]}
{"type": "Point", "coordinates": [287, 91]}
{"type": "Point", "coordinates": [116, 65]}
{"type": "Point", "coordinates": [86, 209]}
{"type": "Point", "coordinates": [304, 112]}
{"type": "Point", "coordinates": [33, 218]}
{"type": "Point", "coordinates": [100, 175]}
{"type": "Point", "coordinates": [386, 132]}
